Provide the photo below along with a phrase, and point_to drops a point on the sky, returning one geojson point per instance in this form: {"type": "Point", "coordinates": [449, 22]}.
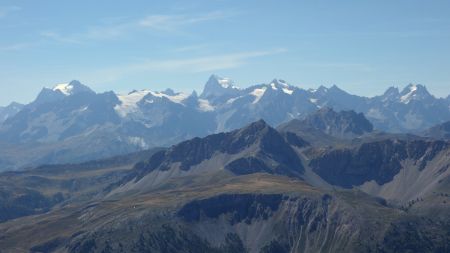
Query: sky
{"type": "Point", "coordinates": [361, 46]}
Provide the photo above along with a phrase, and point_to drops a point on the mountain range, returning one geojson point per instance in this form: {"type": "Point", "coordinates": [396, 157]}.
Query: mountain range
{"type": "Point", "coordinates": [72, 123]}
{"type": "Point", "coordinates": [327, 183]}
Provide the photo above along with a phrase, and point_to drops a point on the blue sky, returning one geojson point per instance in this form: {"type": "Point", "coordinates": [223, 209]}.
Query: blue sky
{"type": "Point", "coordinates": [361, 46]}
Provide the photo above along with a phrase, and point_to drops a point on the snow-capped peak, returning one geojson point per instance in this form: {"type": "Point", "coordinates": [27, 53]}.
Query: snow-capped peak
{"type": "Point", "coordinates": [60, 91]}
{"type": "Point", "coordinates": [281, 84]}
{"type": "Point", "coordinates": [71, 88]}
{"type": "Point", "coordinates": [218, 86]}
{"type": "Point", "coordinates": [226, 83]}
{"type": "Point", "coordinates": [413, 92]}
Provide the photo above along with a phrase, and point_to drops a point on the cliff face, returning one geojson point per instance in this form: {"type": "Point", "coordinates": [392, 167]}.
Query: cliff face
{"type": "Point", "coordinates": [379, 161]}
{"type": "Point", "coordinates": [270, 223]}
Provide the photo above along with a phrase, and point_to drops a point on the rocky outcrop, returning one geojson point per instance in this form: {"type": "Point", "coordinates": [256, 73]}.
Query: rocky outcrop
{"type": "Point", "coordinates": [343, 124]}
{"type": "Point", "coordinates": [239, 207]}
{"type": "Point", "coordinates": [379, 160]}
{"type": "Point", "coordinates": [339, 124]}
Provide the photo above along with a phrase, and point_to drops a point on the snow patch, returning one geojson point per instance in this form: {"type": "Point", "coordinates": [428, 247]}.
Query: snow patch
{"type": "Point", "coordinates": [64, 88]}
{"type": "Point", "coordinates": [231, 100]}
{"type": "Point", "coordinates": [313, 100]}
{"type": "Point", "coordinates": [177, 98]}
{"type": "Point", "coordinates": [288, 91]}
{"type": "Point", "coordinates": [226, 83]}
{"type": "Point", "coordinates": [408, 96]}
{"type": "Point", "coordinates": [258, 93]}
{"type": "Point", "coordinates": [281, 84]}
{"type": "Point", "coordinates": [205, 106]}
{"type": "Point", "coordinates": [129, 102]}
{"type": "Point", "coordinates": [138, 141]}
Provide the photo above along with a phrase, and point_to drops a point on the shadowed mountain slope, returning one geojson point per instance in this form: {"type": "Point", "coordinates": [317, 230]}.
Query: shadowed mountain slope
{"type": "Point", "coordinates": [248, 190]}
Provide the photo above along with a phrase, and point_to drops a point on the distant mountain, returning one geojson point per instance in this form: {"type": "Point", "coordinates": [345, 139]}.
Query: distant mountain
{"type": "Point", "coordinates": [343, 124]}
{"type": "Point", "coordinates": [61, 91]}
{"type": "Point", "coordinates": [9, 111]}
{"type": "Point", "coordinates": [409, 110]}
{"type": "Point", "coordinates": [71, 123]}
{"type": "Point", "coordinates": [60, 113]}
{"type": "Point", "coordinates": [218, 87]}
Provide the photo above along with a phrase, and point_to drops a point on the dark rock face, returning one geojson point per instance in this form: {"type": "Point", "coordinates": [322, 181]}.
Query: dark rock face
{"type": "Point", "coordinates": [166, 238]}
{"type": "Point", "coordinates": [247, 165]}
{"type": "Point", "coordinates": [49, 246]}
{"type": "Point", "coordinates": [276, 247]}
{"type": "Point", "coordinates": [295, 140]}
{"type": "Point", "coordinates": [194, 151]}
{"type": "Point", "coordinates": [379, 161]}
{"type": "Point", "coordinates": [240, 208]}
{"type": "Point", "coordinates": [417, 235]}
{"type": "Point", "coordinates": [295, 224]}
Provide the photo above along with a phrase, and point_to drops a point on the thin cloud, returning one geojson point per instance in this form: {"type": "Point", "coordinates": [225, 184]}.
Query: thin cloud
{"type": "Point", "coordinates": [156, 23]}
{"type": "Point", "coordinates": [175, 22]}
{"type": "Point", "coordinates": [191, 48]}
{"type": "Point", "coordinates": [339, 65]}
{"type": "Point", "coordinates": [58, 37]}
{"type": "Point", "coordinates": [192, 65]}
{"type": "Point", "coordinates": [17, 46]}
{"type": "Point", "coordinates": [6, 10]}
{"type": "Point", "coordinates": [393, 34]}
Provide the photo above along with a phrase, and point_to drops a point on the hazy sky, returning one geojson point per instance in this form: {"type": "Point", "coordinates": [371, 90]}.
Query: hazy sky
{"type": "Point", "coordinates": [361, 46]}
